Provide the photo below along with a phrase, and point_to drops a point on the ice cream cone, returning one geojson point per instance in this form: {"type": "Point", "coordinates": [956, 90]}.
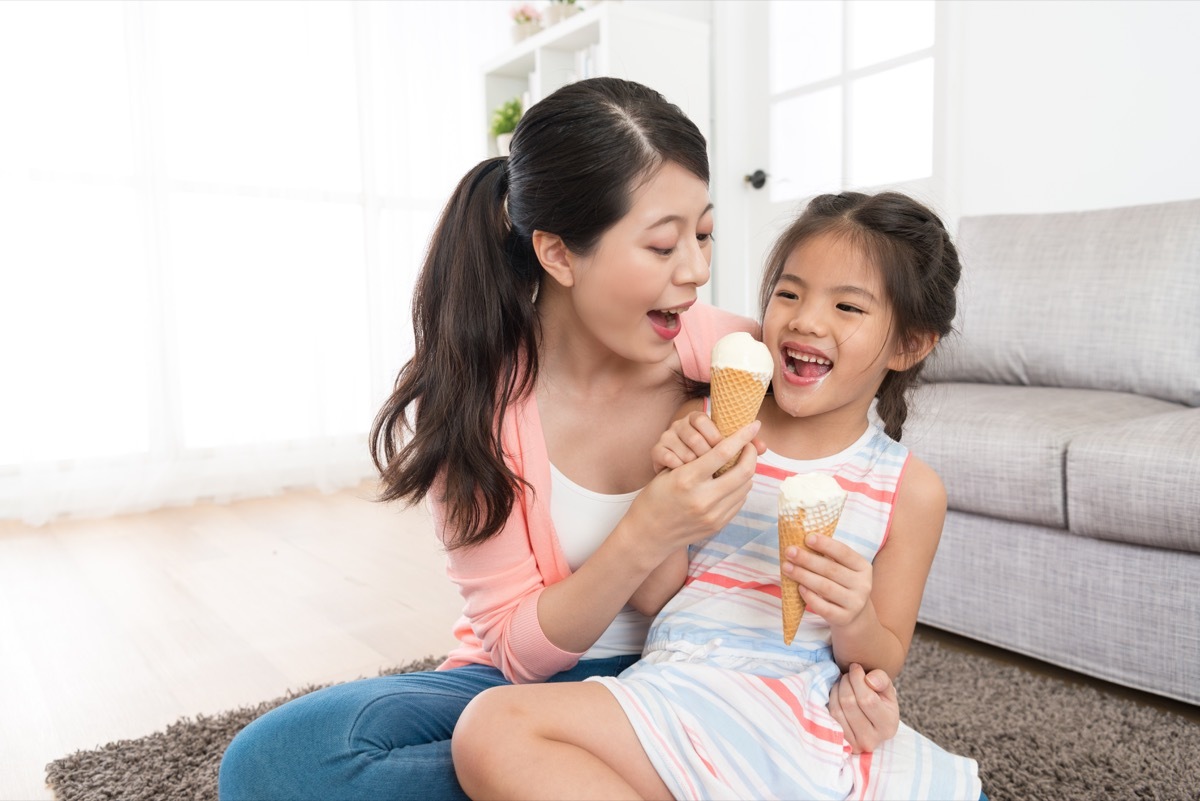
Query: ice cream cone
{"type": "Point", "coordinates": [736, 396]}
{"type": "Point", "coordinates": [741, 372]}
{"type": "Point", "coordinates": [801, 514]}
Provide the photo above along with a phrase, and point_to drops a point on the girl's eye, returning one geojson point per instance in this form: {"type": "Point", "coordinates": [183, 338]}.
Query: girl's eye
{"type": "Point", "coordinates": [783, 293]}
{"type": "Point", "coordinates": [846, 307]}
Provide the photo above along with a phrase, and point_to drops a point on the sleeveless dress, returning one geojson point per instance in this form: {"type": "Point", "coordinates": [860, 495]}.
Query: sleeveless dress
{"type": "Point", "coordinates": [725, 710]}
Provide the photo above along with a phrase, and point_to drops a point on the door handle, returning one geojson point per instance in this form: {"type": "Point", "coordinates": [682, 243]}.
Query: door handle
{"type": "Point", "coordinates": [756, 179]}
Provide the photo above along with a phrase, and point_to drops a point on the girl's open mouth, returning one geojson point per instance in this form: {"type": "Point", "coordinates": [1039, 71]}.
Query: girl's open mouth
{"type": "Point", "coordinates": [806, 364]}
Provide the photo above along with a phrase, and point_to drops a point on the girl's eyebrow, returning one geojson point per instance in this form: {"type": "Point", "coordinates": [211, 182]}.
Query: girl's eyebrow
{"type": "Point", "coordinates": [844, 289]}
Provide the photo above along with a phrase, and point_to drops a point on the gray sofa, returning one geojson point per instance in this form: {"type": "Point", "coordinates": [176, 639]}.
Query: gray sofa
{"type": "Point", "coordinates": [1063, 420]}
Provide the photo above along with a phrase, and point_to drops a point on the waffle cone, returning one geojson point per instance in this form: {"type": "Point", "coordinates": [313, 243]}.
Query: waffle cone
{"type": "Point", "coordinates": [794, 525]}
{"type": "Point", "coordinates": [736, 396]}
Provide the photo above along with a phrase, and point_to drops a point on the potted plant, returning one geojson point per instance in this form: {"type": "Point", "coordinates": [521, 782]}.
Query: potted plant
{"type": "Point", "coordinates": [527, 21]}
{"type": "Point", "coordinates": [504, 122]}
{"type": "Point", "coordinates": [559, 10]}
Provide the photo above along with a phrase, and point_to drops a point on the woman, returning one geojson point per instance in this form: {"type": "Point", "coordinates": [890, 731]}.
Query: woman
{"type": "Point", "coordinates": [554, 315]}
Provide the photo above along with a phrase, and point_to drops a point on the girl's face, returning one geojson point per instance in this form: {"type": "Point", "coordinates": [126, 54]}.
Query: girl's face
{"type": "Point", "coordinates": [630, 291]}
{"type": "Point", "coordinates": [829, 325]}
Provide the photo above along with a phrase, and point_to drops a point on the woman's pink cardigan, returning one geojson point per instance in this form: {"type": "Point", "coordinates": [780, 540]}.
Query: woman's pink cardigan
{"type": "Point", "coordinates": [502, 579]}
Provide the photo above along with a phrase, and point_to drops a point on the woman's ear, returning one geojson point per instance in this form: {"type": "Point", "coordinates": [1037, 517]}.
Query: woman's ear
{"type": "Point", "coordinates": [555, 256]}
{"type": "Point", "coordinates": [910, 352]}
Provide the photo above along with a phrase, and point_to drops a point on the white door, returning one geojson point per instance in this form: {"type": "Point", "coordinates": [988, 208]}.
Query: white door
{"type": "Point", "coordinates": [816, 96]}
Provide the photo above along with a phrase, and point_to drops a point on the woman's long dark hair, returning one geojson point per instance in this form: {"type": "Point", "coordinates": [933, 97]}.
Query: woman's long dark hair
{"type": "Point", "coordinates": [919, 264]}
{"type": "Point", "coordinates": [576, 158]}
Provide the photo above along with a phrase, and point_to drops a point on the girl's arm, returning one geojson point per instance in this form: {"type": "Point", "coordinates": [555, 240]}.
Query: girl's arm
{"type": "Point", "coordinates": [872, 609]}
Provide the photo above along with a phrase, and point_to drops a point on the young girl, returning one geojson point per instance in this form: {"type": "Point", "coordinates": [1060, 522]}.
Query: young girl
{"type": "Point", "coordinates": [856, 294]}
{"type": "Point", "coordinates": [558, 292]}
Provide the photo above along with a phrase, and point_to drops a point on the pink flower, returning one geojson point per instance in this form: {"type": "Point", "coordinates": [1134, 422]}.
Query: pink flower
{"type": "Point", "coordinates": [525, 13]}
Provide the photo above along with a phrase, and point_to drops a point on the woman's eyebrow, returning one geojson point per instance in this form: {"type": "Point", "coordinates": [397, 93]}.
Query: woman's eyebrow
{"type": "Point", "coordinates": [670, 218]}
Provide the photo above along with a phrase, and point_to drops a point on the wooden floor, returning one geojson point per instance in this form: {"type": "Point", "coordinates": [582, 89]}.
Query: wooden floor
{"type": "Point", "coordinates": [112, 629]}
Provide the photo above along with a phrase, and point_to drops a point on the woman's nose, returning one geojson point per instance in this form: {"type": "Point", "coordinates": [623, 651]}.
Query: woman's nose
{"type": "Point", "coordinates": [694, 267]}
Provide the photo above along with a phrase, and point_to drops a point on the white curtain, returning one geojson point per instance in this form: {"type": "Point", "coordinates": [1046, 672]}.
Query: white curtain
{"type": "Point", "coordinates": [211, 217]}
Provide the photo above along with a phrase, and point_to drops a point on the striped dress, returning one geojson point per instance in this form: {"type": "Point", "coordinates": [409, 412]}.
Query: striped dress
{"type": "Point", "coordinates": [725, 710]}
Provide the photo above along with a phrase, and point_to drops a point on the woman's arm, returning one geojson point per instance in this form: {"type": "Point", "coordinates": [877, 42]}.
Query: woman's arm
{"type": "Point", "coordinates": [676, 508]}
{"type": "Point", "coordinates": [532, 630]}
{"type": "Point", "coordinates": [662, 584]}
{"type": "Point", "coordinates": [691, 434]}
{"type": "Point", "coordinates": [872, 609]}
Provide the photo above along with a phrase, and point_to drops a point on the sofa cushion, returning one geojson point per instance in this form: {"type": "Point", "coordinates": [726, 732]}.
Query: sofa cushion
{"type": "Point", "coordinates": [1138, 481]}
{"type": "Point", "coordinates": [1097, 299]}
{"type": "Point", "coordinates": [1001, 450]}
{"type": "Point", "coordinates": [1125, 613]}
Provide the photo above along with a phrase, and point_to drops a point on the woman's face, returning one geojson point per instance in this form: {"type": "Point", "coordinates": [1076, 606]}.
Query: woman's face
{"type": "Point", "coordinates": [632, 289]}
{"type": "Point", "coordinates": [829, 325]}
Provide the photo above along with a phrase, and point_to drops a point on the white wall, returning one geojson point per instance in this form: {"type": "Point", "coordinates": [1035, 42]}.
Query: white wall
{"type": "Point", "coordinates": [1074, 104]}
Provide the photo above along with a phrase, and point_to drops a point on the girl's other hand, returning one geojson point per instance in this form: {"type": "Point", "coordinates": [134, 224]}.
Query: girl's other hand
{"type": "Point", "coordinates": [865, 705]}
{"type": "Point", "coordinates": [688, 438]}
{"type": "Point", "coordinates": [686, 504]}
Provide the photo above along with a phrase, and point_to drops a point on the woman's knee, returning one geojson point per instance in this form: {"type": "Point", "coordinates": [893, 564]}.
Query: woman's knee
{"type": "Point", "coordinates": [244, 772]}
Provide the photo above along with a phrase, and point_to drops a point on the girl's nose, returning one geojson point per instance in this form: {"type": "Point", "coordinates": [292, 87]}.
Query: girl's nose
{"type": "Point", "coordinates": [808, 320]}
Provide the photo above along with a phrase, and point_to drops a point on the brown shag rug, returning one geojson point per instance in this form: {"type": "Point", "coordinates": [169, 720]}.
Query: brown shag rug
{"type": "Point", "coordinates": [1035, 736]}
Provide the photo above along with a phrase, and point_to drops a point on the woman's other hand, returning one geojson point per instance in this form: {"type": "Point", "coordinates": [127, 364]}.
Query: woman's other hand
{"type": "Point", "coordinates": [865, 705]}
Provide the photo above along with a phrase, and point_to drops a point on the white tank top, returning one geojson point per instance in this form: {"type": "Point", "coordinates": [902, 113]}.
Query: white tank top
{"type": "Point", "coordinates": [583, 519]}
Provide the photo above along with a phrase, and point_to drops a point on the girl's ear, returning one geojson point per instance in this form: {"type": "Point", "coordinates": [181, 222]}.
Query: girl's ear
{"type": "Point", "coordinates": [910, 352]}
{"type": "Point", "coordinates": [556, 258]}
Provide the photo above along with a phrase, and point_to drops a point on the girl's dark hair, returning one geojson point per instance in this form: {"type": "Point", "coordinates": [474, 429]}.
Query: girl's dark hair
{"type": "Point", "coordinates": [576, 158]}
{"type": "Point", "coordinates": [919, 264]}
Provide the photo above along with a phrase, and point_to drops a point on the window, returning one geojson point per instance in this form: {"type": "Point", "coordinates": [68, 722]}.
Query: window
{"type": "Point", "coordinates": [852, 89]}
{"type": "Point", "coordinates": [211, 217]}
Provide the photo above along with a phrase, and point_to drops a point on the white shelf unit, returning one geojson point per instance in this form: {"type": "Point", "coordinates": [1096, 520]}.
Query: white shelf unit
{"type": "Point", "coordinates": [616, 38]}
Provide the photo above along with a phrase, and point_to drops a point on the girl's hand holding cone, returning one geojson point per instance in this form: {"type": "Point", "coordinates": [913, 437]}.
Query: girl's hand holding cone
{"type": "Point", "coordinates": [835, 581]}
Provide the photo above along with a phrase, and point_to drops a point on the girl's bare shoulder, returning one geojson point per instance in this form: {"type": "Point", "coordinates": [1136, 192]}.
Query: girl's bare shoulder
{"type": "Point", "coordinates": [921, 494]}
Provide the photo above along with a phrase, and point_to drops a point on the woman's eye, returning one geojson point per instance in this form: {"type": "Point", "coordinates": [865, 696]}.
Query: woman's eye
{"type": "Point", "coordinates": [846, 307]}
{"type": "Point", "coordinates": [705, 238]}
{"type": "Point", "coordinates": [663, 251]}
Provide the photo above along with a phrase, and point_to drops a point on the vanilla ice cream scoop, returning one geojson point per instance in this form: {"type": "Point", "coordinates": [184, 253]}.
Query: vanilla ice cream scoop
{"type": "Point", "coordinates": [740, 351]}
{"type": "Point", "coordinates": [807, 490]}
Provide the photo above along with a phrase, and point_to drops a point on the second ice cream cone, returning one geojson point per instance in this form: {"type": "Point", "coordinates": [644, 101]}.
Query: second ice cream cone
{"type": "Point", "coordinates": [802, 513]}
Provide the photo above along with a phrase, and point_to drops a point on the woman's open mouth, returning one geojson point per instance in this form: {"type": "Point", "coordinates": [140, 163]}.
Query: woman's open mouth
{"type": "Point", "coordinates": [666, 322]}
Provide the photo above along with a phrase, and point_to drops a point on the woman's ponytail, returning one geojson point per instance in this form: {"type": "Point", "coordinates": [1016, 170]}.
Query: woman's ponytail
{"type": "Point", "coordinates": [475, 337]}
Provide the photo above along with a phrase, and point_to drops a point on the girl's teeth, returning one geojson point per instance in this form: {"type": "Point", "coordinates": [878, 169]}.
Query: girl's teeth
{"type": "Point", "coordinates": [808, 357]}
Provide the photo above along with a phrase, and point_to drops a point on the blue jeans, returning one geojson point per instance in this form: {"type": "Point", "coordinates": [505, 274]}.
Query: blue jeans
{"type": "Point", "coordinates": [384, 738]}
